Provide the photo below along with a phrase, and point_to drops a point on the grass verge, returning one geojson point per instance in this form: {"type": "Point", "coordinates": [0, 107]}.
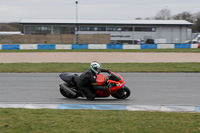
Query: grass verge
{"type": "Point", "coordinates": [85, 121]}
{"type": "Point", "coordinates": [116, 67]}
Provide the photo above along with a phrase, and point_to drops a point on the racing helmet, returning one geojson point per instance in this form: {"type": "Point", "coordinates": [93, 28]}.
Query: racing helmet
{"type": "Point", "coordinates": [95, 67]}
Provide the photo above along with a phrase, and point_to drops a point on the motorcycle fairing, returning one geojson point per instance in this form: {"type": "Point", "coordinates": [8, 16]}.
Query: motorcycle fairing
{"type": "Point", "coordinates": [69, 78]}
{"type": "Point", "coordinates": [100, 79]}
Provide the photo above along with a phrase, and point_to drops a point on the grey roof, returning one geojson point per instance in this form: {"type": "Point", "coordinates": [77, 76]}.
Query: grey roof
{"type": "Point", "coordinates": [67, 21]}
{"type": "Point", "coordinates": [10, 32]}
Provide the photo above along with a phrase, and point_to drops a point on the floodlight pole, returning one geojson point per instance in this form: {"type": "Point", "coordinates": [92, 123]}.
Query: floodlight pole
{"type": "Point", "coordinates": [76, 28]}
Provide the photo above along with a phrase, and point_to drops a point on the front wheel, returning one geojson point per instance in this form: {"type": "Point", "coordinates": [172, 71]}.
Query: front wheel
{"type": "Point", "coordinates": [122, 93]}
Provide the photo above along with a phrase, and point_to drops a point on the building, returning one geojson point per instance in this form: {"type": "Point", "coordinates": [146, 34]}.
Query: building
{"type": "Point", "coordinates": [121, 31]}
{"type": "Point", "coordinates": [10, 33]}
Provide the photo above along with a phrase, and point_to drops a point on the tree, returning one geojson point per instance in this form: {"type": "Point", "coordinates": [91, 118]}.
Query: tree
{"type": "Point", "coordinates": [193, 18]}
{"type": "Point", "coordinates": [163, 14]}
{"type": "Point", "coordinates": [184, 16]}
{"type": "Point", "coordinates": [138, 18]}
{"type": "Point", "coordinates": [197, 22]}
{"type": "Point", "coordinates": [10, 27]}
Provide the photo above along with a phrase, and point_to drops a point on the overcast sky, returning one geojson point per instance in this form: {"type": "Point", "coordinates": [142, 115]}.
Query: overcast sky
{"type": "Point", "coordinates": [14, 10]}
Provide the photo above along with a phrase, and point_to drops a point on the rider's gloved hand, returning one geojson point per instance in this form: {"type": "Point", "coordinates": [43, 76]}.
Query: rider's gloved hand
{"type": "Point", "coordinates": [108, 70]}
{"type": "Point", "coordinates": [105, 70]}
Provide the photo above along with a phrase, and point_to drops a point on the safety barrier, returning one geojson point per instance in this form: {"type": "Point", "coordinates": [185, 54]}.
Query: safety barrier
{"type": "Point", "coordinates": [94, 46]}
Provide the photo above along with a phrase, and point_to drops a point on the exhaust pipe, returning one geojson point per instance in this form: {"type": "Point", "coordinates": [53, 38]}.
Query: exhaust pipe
{"type": "Point", "coordinates": [65, 88]}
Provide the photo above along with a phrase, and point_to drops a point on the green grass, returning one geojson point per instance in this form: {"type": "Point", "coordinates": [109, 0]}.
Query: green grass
{"type": "Point", "coordinates": [96, 121]}
{"type": "Point", "coordinates": [116, 67]}
{"type": "Point", "coordinates": [110, 50]}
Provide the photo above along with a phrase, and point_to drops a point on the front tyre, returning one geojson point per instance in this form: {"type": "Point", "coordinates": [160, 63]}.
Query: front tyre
{"type": "Point", "coordinates": [122, 93]}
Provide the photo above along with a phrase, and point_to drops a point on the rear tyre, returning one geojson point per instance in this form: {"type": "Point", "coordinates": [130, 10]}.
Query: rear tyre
{"type": "Point", "coordinates": [67, 94]}
{"type": "Point", "coordinates": [122, 93]}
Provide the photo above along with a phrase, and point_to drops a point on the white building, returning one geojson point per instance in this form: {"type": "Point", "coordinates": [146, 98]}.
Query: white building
{"type": "Point", "coordinates": [121, 31]}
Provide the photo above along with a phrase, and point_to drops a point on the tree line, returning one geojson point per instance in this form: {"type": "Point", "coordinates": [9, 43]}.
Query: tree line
{"type": "Point", "coordinates": [14, 26]}
{"type": "Point", "coordinates": [165, 14]}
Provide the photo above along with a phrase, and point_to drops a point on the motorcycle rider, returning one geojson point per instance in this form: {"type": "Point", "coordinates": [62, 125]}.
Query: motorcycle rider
{"type": "Point", "coordinates": [87, 81]}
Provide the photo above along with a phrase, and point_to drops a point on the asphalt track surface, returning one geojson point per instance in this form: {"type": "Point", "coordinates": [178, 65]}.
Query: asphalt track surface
{"type": "Point", "coordinates": [146, 88]}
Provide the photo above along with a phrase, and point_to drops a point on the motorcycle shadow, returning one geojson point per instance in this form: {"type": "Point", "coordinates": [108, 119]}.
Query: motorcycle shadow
{"type": "Point", "coordinates": [99, 99]}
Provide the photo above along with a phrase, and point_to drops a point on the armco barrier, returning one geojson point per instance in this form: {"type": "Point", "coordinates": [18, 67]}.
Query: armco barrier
{"type": "Point", "coordinates": [28, 46]}
{"type": "Point", "coordinates": [182, 46]}
{"type": "Point", "coordinates": [63, 46]}
{"type": "Point", "coordinates": [10, 47]}
{"type": "Point", "coordinates": [114, 46]}
{"type": "Point", "coordinates": [97, 46]}
{"type": "Point", "coordinates": [46, 46]}
{"type": "Point", "coordinates": [165, 46]}
{"type": "Point", "coordinates": [148, 46]}
{"type": "Point", "coordinates": [94, 46]}
{"type": "Point", "coordinates": [79, 46]}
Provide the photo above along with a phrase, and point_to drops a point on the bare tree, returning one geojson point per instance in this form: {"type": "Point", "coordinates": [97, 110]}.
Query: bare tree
{"type": "Point", "coordinates": [163, 14]}
{"type": "Point", "coordinates": [10, 27]}
{"type": "Point", "coordinates": [138, 18]}
{"type": "Point", "coordinates": [193, 18]}
{"type": "Point", "coordinates": [196, 26]}
{"type": "Point", "coordinates": [184, 16]}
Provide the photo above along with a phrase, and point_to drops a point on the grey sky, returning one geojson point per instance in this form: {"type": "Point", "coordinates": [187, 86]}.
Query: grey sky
{"type": "Point", "coordinates": [14, 10]}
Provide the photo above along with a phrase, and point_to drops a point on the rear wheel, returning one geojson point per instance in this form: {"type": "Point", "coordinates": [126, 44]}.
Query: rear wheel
{"type": "Point", "coordinates": [67, 94]}
{"type": "Point", "coordinates": [122, 93]}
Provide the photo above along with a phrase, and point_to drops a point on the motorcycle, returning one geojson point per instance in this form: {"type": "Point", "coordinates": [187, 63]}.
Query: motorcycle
{"type": "Point", "coordinates": [114, 81]}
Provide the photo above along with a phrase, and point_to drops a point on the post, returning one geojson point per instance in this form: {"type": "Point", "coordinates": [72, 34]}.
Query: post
{"type": "Point", "coordinates": [76, 28]}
